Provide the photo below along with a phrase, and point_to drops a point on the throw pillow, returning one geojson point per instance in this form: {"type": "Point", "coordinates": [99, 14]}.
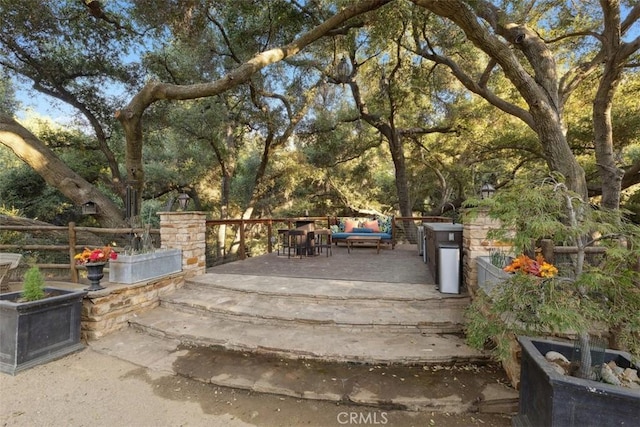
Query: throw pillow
{"type": "Point", "coordinates": [385, 224]}
{"type": "Point", "coordinates": [373, 225]}
{"type": "Point", "coordinates": [350, 225]}
{"type": "Point", "coordinates": [334, 229]}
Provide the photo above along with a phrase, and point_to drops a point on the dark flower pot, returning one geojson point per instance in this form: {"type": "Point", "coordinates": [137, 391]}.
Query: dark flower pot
{"type": "Point", "coordinates": [37, 332]}
{"type": "Point", "coordinates": [548, 398]}
{"type": "Point", "coordinates": [95, 273]}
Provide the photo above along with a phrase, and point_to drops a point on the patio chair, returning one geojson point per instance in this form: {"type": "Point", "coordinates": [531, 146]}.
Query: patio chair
{"type": "Point", "coordinates": [323, 241]}
{"type": "Point", "coordinates": [296, 243]}
{"type": "Point", "coordinates": [8, 262]}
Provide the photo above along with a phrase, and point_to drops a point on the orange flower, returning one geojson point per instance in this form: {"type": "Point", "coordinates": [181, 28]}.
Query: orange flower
{"type": "Point", "coordinates": [538, 267]}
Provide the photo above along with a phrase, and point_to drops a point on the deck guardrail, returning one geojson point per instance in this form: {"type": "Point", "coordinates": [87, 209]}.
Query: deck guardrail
{"type": "Point", "coordinates": [244, 237]}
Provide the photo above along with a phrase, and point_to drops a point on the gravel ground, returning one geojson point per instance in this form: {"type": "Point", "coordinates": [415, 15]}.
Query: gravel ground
{"type": "Point", "coordinates": [91, 389]}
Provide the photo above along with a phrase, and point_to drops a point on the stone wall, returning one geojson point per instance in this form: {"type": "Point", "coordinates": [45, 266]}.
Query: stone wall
{"type": "Point", "coordinates": [186, 231]}
{"type": "Point", "coordinates": [110, 309]}
{"type": "Point", "coordinates": [475, 244]}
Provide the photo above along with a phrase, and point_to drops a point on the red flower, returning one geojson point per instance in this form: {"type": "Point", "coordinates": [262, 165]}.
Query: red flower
{"type": "Point", "coordinates": [96, 255]}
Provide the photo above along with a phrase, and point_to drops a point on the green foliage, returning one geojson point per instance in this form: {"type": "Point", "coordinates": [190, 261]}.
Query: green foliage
{"type": "Point", "coordinates": [8, 103]}
{"type": "Point", "coordinates": [8, 237]}
{"type": "Point", "coordinates": [22, 189]}
{"type": "Point", "coordinates": [342, 166]}
{"type": "Point", "coordinates": [33, 284]}
{"type": "Point", "coordinates": [498, 258]}
{"type": "Point", "coordinates": [601, 297]}
{"type": "Point", "coordinates": [536, 208]}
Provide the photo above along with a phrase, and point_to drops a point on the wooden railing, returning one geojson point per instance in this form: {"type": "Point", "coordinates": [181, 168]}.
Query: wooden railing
{"type": "Point", "coordinates": [242, 226]}
{"type": "Point", "coordinates": [72, 247]}
{"type": "Point", "coordinates": [550, 252]}
{"type": "Point", "coordinates": [239, 227]}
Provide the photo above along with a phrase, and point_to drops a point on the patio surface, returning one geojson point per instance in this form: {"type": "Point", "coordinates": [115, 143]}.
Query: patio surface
{"type": "Point", "coordinates": [399, 265]}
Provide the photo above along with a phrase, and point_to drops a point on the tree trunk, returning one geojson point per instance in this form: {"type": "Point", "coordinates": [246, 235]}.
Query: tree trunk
{"type": "Point", "coordinates": [405, 204]}
{"type": "Point", "coordinates": [56, 173]}
{"type": "Point", "coordinates": [615, 53]}
{"type": "Point", "coordinates": [610, 174]}
{"type": "Point", "coordinates": [558, 154]}
{"type": "Point", "coordinates": [536, 80]}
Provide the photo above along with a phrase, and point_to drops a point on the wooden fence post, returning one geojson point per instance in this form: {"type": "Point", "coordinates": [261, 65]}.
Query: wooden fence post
{"type": "Point", "coordinates": [269, 236]}
{"type": "Point", "coordinates": [243, 254]}
{"type": "Point", "coordinates": [547, 247]}
{"type": "Point", "coordinates": [72, 252]}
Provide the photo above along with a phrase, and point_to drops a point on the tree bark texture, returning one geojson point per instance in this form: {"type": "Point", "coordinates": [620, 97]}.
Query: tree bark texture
{"type": "Point", "coordinates": [55, 172]}
{"type": "Point", "coordinates": [615, 53]}
{"type": "Point", "coordinates": [539, 91]}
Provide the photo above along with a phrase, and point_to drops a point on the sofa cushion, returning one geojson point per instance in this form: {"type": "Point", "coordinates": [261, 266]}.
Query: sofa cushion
{"type": "Point", "coordinates": [361, 230]}
{"type": "Point", "coordinates": [342, 221]}
{"type": "Point", "coordinates": [385, 224]}
{"type": "Point", "coordinates": [342, 236]}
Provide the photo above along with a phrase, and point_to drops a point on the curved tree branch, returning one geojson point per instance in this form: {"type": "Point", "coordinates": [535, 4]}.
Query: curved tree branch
{"type": "Point", "coordinates": [55, 172]}
{"type": "Point", "coordinates": [131, 115]}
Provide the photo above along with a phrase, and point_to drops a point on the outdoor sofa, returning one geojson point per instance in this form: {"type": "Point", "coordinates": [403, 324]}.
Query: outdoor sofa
{"type": "Point", "coordinates": [382, 226]}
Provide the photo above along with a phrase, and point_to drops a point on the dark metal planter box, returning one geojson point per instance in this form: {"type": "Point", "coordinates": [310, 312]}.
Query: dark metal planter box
{"type": "Point", "coordinates": [37, 332]}
{"type": "Point", "coordinates": [548, 398]}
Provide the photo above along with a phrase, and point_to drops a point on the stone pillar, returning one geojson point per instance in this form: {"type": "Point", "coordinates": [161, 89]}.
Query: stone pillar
{"type": "Point", "coordinates": [186, 231]}
{"type": "Point", "coordinates": [475, 244]}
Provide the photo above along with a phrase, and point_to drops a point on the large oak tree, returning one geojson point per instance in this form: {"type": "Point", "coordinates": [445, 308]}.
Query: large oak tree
{"type": "Point", "coordinates": [525, 46]}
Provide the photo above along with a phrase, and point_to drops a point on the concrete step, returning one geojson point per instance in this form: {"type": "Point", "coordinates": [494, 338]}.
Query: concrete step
{"type": "Point", "coordinates": [428, 313]}
{"type": "Point", "coordinates": [451, 389]}
{"type": "Point", "coordinates": [308, 341]}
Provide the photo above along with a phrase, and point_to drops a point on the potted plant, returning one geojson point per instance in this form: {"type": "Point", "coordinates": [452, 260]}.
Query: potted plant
{"type": "Point", "coordinates": [551, 398]}
{"type": "Point", "coordinates": [38, 324]}
{"type": "Point", "coordinates": [491, 270]}
{"type": "Point", "coordinates": [598, 296]}
{"type": "Point", "coordinates": [142, 261]}
{"type": "Point", "coordinates": [94, 260]}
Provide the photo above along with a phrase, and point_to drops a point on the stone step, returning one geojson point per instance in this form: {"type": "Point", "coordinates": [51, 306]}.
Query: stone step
{"type": "Point", "coordinates": [325, 288]}
{"type": "Point", "coordinates": [453, 389]}
{"type": "Point", "coordinates": [432, 314]}
{"type": "Point", "coordinates": [307, 341]}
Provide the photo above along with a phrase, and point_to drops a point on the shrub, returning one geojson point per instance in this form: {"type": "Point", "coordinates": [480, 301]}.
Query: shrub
{"type": "Point", "coordinates": [600, 297]}
{"type": "Point", "coordinates": [33, 285]}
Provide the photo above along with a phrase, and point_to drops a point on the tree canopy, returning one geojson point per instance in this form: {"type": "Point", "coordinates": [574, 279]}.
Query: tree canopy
{"type": "Point", "coordinates": [244, 105]}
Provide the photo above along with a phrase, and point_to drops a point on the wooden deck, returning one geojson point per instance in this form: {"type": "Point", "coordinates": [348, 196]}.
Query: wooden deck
{"type": "Point", "coordinates": [399, 265]}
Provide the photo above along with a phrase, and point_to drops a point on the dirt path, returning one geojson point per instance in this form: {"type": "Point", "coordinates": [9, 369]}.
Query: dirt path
{"type": "Point", "coordinates": [91, 389]}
